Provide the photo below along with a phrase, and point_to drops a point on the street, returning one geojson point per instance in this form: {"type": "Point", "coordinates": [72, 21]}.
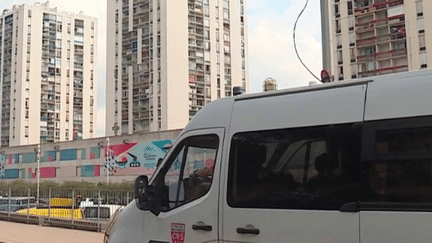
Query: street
{"type": "Point", "coordinates": [11, 232]}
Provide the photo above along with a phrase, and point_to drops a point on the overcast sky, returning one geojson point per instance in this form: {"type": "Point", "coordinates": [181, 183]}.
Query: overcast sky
{"type": "Point", "coordinates": [271, 49]}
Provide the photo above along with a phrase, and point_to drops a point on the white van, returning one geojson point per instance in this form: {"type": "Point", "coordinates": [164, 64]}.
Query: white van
{"type": "Point", "coordinates": [346, 162]}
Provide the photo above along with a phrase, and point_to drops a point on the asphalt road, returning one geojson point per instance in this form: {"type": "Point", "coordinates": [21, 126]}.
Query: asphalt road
{"type": "Point", "coordinates": [26, 233]}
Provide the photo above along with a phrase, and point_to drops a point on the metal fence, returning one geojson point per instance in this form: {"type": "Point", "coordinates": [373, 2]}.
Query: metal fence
{"type": "Point", "coordinates": [71, 208]}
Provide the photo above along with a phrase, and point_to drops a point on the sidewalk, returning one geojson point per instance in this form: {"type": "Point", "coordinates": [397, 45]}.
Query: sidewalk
{"type": "Point", "coordinates": [11, 232]}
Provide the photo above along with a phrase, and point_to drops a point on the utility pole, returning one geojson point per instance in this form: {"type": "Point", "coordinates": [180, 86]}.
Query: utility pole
{"type": "Point", "coordinates": [108, 154]}
{"type": "Point", "coordinates": [37, 151]}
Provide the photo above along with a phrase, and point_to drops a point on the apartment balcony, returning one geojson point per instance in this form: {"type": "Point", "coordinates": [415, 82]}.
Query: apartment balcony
{"type": "Point", "coordinates": [47, 100]}
{"type": "Point", "coordinates": [78, 66]}
{"type": "Point", "coordinates": [370, 25]}
{"type": "Point", "coordinates": [78, 103]}
{"type": "Point", "coordinates": [378, 6]}
{"type": "Point", "coordinates": [381, 71]}
{"type": "Point", "coordinates": [383, 39]}
{"type": "Point", "coordinates": [399, 35]}
{"type": "Point", "coordinates": [391, 54]}
{"type": "Point", "coordinates": [366, 58]}
{"type": "Point", "coordinates": [78, 95]}
{"type": "Point", "coordinates": [360, 11]}
{"type": "Point", "coordinates": [395, 69]}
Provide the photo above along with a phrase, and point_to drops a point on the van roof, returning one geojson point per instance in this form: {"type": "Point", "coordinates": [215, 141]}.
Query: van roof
{"type": "Point", "coordinates": [303, 89]}
{"type": "Point", "coordinates": [334, 85]}
{"type": "Point", "coordinates": [386, 94]}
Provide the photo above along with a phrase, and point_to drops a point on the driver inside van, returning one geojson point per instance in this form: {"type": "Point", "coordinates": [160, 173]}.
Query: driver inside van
{"type": "Point", "coordinates": [199, 181]}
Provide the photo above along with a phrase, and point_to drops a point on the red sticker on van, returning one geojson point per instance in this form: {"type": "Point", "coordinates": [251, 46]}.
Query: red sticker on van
{"type": "Point", "coordinates": [177, 233]}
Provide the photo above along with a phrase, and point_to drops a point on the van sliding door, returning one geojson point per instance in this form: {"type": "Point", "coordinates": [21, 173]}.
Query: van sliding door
{"type": "Point", "coordinates": [293, 185]}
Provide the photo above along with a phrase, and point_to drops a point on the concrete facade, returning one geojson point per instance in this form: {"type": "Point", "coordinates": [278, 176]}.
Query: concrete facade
{"type": "Point", "coordinates": [113, 159]}
{"type": "Point", "coordinates": [47, 72]}
{"type": "Point", "coordinates": [363, 38]}
{"type": "Point", "coordinates": [168, 59]}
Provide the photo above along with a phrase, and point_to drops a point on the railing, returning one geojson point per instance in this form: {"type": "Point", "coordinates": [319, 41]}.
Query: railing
{"type": "Point", "coordinates": [382, 55]}
{"type": "Point", "coordinates": [377, 6]}
{"type": "Point", "coordinates": [370, 24]}
{"type": "Point", "coordinates": [387, 70]}
{"type": "Point", "coordinates": [70, 208]}
{"type": "Point", "coordinates": [377, 39]}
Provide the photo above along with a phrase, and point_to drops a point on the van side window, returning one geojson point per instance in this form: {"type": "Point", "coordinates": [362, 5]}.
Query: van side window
{"type": "Point", "coordinates": [305, 168]}
{"type": "Point", "coordinates": [397, 165]}
{"type": "Point", "coordinates": [189, 173]}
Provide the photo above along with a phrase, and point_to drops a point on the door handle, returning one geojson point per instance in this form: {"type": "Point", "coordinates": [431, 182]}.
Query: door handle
{"type": "Point", "coordinates": [251, 231]}
{"type": "Point", "coordinates": [202, 227]}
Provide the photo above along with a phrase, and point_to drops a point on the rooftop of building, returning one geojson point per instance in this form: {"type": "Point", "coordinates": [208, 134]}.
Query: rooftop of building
{"type": "Point", "coordinates": [44, 6]}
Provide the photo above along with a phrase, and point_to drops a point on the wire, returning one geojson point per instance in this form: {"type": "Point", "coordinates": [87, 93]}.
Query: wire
{"type": "Point", "coordinates": [295, 46]}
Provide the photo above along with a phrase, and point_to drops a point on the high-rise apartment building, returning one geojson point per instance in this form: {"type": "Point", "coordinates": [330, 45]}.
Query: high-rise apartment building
{"type": "Point", "coordinates": [167, 59]}
{"type": "Point", "coordinates": [363, 38]}
{"type": "Point", "coordinates": [47, 75]}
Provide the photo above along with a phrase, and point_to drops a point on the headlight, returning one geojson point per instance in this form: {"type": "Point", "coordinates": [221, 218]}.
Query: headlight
{"type": "Point", "coordinates": [111, 224]}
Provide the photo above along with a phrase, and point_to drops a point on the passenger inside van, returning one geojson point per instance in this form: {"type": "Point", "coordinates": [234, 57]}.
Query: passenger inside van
{"type": "Point", "coordinates": [378, 178]}
{"type": "Point", "coordinates": [326, 172]}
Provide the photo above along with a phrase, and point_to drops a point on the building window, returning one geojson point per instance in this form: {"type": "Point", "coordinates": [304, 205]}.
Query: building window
{"type": "Point", "coordinates": [353, 55]}
{"type": "Point", "coordinates": [422, 42]}
{"type": "Point", "coordinates": [353, 68]}
{"type": "Point", "coordinates": [340, 73]}
{"type": "Point", "coordinates": [419, 8]}
{"type": "Point", "coordinates": [423, 60]}
{"type": "Point", "coordinates": [350, 8]}
{"type": "Point", "coordinates": [420, 25]}
{"type": "Point", "coordinates": [352, 38]}
{"type": "Point", "coordinates": [339, 57]}
{"type": "Point", "coordinates": [336, 10]}
{"type": "Point", "coordinates": [338, 26]}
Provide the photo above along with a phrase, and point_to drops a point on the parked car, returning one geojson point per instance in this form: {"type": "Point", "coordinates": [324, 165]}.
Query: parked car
{"type": "Point", "coordinates": [105, 212]}
{"type": "Point", "coordinates": [13, 204]}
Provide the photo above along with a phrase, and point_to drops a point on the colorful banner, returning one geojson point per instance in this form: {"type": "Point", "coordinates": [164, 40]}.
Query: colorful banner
{"type": "Point", "coordinates": [29, 157]}
{"type": "Point", "coordinates": [83, 154]}
{"type": "Point", "coordinates": [2, 170]}
{"type": "Point", "coordinates": [68, 154]}
{"type": "Point", "coordinates": [48, 172]}
{"type": "Point", "coordinates": [133, 158]}
{"type": "Point", "coordinates": [48, 156]}
{"type": "Point", "coordinates": [94, 152]}
{"type": "Point", "coordinates": [11, 174]}
{"type": "Point", "coordinates": [12, 158]}
{"type": "Point", "coordinates": [90, 171]}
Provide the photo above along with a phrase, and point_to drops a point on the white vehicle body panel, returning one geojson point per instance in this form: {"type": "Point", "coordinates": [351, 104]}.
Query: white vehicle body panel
{"type": "Point", "coordinates": [327, 107]}
{"type": "Point", "coordinates": [298, 110]}
{"type": "Point", "coordinates": [401, 95]}
{"type": "Point", "coordinates": [128, 227]}
{"type": "Point", "coordinates": [203, 210]}
{"type": "Point", "coordinates": [395, 227]}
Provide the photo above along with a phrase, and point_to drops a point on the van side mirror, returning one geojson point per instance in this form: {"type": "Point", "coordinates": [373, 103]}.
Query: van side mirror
{"type": "Point", "coordinates": [140, 188]}
{"type": "Point", "coordinates": [145, 196]}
